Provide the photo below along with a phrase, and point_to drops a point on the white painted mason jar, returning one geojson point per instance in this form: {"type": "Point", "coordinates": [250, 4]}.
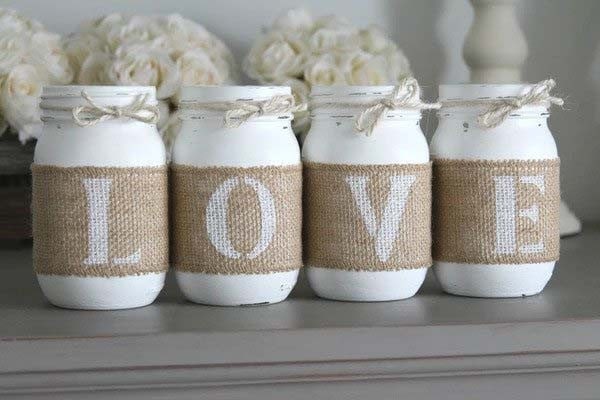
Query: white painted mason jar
{"type": "Point", "coordinates": [211, 165]}
{"type": "Point", "coordinates": [100, 201]}
{"type": "Point", "coordinates": [510, 155]}
{"type": "Point", "coordinates": [344, 208]}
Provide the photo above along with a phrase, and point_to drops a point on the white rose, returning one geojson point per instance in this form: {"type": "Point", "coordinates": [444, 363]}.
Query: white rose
{"type": "Point", "coordinates": [95, 70]}
{"type": "Point", "coordinates": [275, 57]}
{"type": "Point", "coordinates": [219, 56]}
{"type": "Point", "coordinates": [78, 47]}
{"type": "Point", "coordinates": [397, 64]}
{"type": "Point", "coordinates": [138, 65]}
{"type": "Point", "coordinates": [185, 33]}
{"type": "Point", "coordinates": [47, 54]}
{"type": "Point", "coordinates": [103, 25]}
{"type": "Point", "coordinates": [169, 133]}
{"type": "Point", "coordinates": [139, 29]}
{"type": "Point", "coordinates": [197, 68]}
{"type": "Point", "coordinates": [19, 97]}
{"type": "Point", "coordinates": [367, 69]}
{"type": "Point", "coordinates": [324, 70]}
{"type": "Point", "coordinates": [164, 111]}
{"type": "Point", "coordinates": [13, 49]}
{"type": "Point", "coordinates": [374, 40]}
{"type": "Point", "coordinates": [297, 19]}
{"type": "Point", "coordinates": [219, 53]}
{"type": "Point", "coordinates": [10, 20]}
{"type": "Point", "coordinates": [333, 34]}
{"type": "Point", "coordinates": [300, 89]}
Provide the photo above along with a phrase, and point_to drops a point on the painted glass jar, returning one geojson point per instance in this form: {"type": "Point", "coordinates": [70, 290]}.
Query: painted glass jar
{"type": "Point", "coordinates": [100, 198]}
{"type": "Point", "coordinates": [496, 192]}
{"type": "Point", "coordinates": [236, 195]}
{"type": "Point", "coordinates": [367, 197]}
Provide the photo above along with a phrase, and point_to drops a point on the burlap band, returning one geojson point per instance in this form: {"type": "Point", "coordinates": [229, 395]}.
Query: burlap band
{"type": "Point", "coordinates": [104, 221]}
{"type": "Point", "coordinates": [367, 217]}
{"type": "Point", "coordinates": [496, 212]}
{"type": "Point", "coordinates": [236, 220]}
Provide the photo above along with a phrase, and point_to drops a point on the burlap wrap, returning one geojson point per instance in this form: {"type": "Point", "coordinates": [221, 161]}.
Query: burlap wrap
{"type": "Point", "coordinates": [100, 221]}
{"type": "Point", "coordinates": [496, 212]}
{"type": "Point", "coordinates": [356, 217]}
{"type": "Point", "coordinates": [229, 220]}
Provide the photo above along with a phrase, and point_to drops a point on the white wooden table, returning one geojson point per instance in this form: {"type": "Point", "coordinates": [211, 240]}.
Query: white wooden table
{"type": "Point", "coordinates": [433, 346]}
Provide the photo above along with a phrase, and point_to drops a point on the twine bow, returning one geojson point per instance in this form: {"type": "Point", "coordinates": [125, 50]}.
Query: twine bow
{"type": "Point", "coordinates": [240, 111]}
{"type": "Point", "coordinates": [94, 113]}
{"type": "Point", "coordinates": [500, 109]}
{"type": "Point", "coordinates": [406, 95]}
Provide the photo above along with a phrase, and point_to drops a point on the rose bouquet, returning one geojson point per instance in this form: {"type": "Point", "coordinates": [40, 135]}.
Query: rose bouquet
{"type": "Point", "coordinates": [300, 50]}
{"type": "Point", "coordinates": [167, 52]}
{"type": "Point", "coordinates": [30, 57]}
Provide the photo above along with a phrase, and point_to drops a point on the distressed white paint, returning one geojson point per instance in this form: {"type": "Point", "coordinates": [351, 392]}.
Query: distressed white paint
{"type": "Point", "coordinates": [114, 143]}
{"type": "Point", "coordinates": [498, 280]}
{"type": "Point", "coordinates": [99, 293]}
{"type": "Point", "coordinates": [385, 231]}
{"type": "Point", "coordinates": [236, 290]}
{"type": "Point", "coordinates": [259, 142]}
{"type": "Point", "coordinates": [397, 139]}
{"type": "Point", "coordinates": [523, 136]}
{"type": "Point", "coordinates": [216, 217]}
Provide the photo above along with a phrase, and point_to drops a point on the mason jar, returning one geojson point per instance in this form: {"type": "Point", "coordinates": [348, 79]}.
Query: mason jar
{"type": "Point", "coordinates": [236, 193]}
{"type": "Point", "coordinates": [100, 199]}
{"type": "Point", "coordinates": [496, 195]}
{"type": "Point", "coordinates": [367, 198]}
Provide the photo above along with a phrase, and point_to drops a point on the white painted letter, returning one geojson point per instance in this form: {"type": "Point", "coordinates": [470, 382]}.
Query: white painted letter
{"type": "Point", "coordinates": [98, 197]}
{"type": "Point", "coordinates": [506, 214]}
{"type": "Point", "coordinates": [386, 233]}
{"type": "Point", "coordinates": [216, 218]}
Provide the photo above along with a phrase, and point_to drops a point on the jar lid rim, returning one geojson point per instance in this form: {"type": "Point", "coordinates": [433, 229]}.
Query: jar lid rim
{"type": "Point", "coordinates": [319, 91]}
{"type": "Point", "coordinates": [481, 91]}
{"type": "Point", "coordinates": [210, 93]}
{"type": "Point", "coordinates": [67, 91]}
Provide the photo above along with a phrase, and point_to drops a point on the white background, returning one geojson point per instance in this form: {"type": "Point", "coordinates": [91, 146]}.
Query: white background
{"type": "Point", "coordinates": [563, 38]}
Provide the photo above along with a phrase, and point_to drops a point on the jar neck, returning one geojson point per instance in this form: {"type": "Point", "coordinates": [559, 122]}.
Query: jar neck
{"type": "Point", "coordinates": [65, 103]}
{"type": "Point", "coordinates": [244, 103]}
{"type": "Point", "coordinates": [345, 113]}
{"type": "Point", "coordinates": [187, 115]}
{"type": "Point", "coordinates": [116, 128]}
{"type": "Point", "coordinates": [203, 125]}
{"type": "Point", "coordinates": [472, 113]}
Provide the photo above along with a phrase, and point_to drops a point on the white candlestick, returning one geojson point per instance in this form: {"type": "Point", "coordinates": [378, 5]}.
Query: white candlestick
{"type": "Point", "coordinates": [495, 47]}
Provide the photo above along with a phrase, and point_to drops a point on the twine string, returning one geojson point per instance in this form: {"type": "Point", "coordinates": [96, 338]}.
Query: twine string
{"type": "Point", "coordinates": [499, 109]}
{"type": "Point", "coordinates": [407, 95]}
{"type": "Point", "coordinates": [93, 113]}
{"type": "Point", "coordinates": [240, 111]}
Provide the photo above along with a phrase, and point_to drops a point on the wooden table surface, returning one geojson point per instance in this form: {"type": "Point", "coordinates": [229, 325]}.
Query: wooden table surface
{"type": "Point", "coordinates": [431, 346]}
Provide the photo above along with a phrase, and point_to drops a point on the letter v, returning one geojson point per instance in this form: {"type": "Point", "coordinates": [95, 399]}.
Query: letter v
{"type": "Point", "coordinates": [386, 233]}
